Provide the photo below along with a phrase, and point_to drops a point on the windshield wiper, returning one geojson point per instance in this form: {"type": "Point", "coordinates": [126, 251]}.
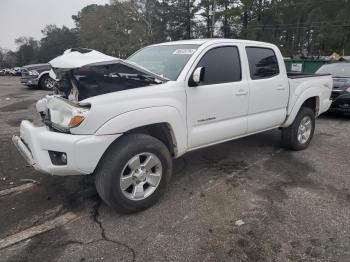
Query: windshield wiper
{"type": "Point", "coordinates": [150, 79]}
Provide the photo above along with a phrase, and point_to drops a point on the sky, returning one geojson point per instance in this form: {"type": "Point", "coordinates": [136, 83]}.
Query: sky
{"type": "Point", "coordinates": [28, 17]}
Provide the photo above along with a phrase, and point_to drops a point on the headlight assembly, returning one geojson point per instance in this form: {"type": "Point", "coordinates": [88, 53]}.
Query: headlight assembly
{"type": "Point", "coordinates": [33, 73]}
{"type": "Point", "coordinates": [65, 115]}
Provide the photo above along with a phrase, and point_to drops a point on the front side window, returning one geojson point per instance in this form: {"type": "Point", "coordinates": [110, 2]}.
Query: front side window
{"type": "Point", "coordinates": [221, 65]}
{"type": "Point", "coordinates": [165, 60]}
{"type": "Point", "coordinates": [262, 62]}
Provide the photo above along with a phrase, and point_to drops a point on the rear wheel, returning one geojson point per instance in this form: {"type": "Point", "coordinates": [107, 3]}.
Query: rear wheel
{"type": "Point", "coordinates": [133, 173]}
{"type": "Point", "coordinates": [46, 82]}
{"type": "Point", "coordinates": [298, 135]}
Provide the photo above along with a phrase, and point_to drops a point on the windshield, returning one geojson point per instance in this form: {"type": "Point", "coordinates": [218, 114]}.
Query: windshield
{"type": "Point", "coordinates": [166, 60]}
{"type": "Point", "coordinates": [336, 70]}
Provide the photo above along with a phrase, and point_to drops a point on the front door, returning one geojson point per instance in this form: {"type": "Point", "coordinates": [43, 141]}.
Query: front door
{"type": "Point", "coordinates": [217, 107]}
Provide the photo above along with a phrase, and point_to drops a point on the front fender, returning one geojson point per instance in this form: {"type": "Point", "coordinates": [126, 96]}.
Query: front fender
{"type": "Point", "coordinates": [43, 73]}
{"type": "Point", "coordinates": [310, 92]}
{"type": "Point", "coordinates": [148, 116]}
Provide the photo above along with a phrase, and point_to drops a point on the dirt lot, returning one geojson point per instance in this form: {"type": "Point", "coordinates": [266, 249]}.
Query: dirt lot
{"type": "Point", "coordinates": [295, 206]}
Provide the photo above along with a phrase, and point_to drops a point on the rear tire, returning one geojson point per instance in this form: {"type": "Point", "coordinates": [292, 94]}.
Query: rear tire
{"type": "Point", "coordinates": [299, 134]}
{"type": "Point", "coordinates": [125, 163]}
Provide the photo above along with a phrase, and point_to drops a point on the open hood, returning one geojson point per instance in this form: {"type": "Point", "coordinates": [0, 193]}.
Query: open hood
{"type": "Point", "coordinates": [79, 57]}
{"type": "Point", "coordinates": [83, 73]}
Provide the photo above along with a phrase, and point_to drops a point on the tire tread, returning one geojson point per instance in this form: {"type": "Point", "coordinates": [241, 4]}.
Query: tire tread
{"type": "Point", "coordinates": [104, 172]}
{"type": "Point", "coordinates": [289, 134]}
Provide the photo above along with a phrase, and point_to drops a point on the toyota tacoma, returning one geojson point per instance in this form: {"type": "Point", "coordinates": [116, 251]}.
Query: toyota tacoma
{"type": "Point", "coordinates": [124, 120]}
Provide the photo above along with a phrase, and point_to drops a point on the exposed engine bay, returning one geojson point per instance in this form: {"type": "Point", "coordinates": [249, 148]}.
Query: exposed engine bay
{"type": "Point", "coordinates": [88, 81]}
{"type": "Point", "coordinates": [84, 73]}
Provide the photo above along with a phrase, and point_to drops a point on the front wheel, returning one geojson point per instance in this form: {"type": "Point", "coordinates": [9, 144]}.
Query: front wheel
{"type": "Point", "coordinates": [133, 173]}
{"type": "Point", "coordinates": [46, 83]}
{"type": "Point", "coordinates": [298, 135]}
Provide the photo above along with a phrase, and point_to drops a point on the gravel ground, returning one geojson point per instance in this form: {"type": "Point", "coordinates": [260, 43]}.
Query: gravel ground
{"type": "Point", "coordinates": [244, 200]}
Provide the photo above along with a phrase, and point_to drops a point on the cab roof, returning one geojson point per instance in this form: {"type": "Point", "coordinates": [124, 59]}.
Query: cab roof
{"type": "Point", "coordinates": [209, 41]}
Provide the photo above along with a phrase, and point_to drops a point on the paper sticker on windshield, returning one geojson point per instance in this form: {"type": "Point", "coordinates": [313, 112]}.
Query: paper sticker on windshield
{"type": "Point", "coordinates": [184, 51]}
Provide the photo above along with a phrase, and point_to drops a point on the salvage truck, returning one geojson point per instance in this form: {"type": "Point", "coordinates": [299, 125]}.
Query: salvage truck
{"type": "Point", "coordinates": [124, 120]}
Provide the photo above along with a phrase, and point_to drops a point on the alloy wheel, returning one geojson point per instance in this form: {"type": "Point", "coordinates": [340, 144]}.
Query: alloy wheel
{"type": "Point", "coordinates": [141, 176]}
{"type": "Point", "coordinates": [304, 130]}
{"type": "Point", "coordinates": [49, 83]}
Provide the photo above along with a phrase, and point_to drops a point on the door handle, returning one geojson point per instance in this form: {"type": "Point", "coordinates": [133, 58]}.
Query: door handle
{"type": "Point", "coordinates": [241, 93]}
{"type": "Point", "coordinates": [281, 87]}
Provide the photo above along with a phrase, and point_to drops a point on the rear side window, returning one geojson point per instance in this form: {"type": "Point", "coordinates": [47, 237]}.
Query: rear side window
{"type": "Point", "coordinates": [222, 65]}
{"type": "Point", "coordinates": [262, 62]}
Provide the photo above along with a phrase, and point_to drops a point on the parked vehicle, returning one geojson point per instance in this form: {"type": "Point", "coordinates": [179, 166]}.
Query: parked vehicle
{"type": "Point", "coordinates": [124, 120]}
{"type": "Point", "coordinates": [11, 72]}
{"type": "Point", "coordinates": [16, 71]}
{"type": "Point", "coordinates": [37, 76]}
{"type": "Point", "coordinates": [341, 86]}
{"type": "Point", "coordinates": [5, 72]}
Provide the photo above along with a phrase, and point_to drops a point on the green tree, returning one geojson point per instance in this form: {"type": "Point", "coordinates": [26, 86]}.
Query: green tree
{"type": "Point", "coordinates": [298, 27]}
{"type": "Point", "coordinates": [179, 18]}
{"type": "Point", "coordinates": [151, 14]}
{"type": "Point", "coordinates": [28, 49]}
{"type": "Point", "coordinates": [56, 41]}
{"type": "Point", "coordinates": [115, 29]}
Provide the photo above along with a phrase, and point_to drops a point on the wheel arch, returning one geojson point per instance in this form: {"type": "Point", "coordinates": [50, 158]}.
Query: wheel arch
{"type": "Point", "coordinates": [172, 131]}
{"type": "Point", "coordinates": [313, 103]}
{"type": "Point", "coordinates": [161, 131]}
{"type": "Point", "coordinates": [310, 100]}
{"type": "Point", "coordinates": [42, 74]}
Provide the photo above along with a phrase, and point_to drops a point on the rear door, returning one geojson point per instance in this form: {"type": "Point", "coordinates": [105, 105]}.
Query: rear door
{"type": "Point", "coordinates": [269, 89]}
{"type": "Point", "coordinates": [217, 108]}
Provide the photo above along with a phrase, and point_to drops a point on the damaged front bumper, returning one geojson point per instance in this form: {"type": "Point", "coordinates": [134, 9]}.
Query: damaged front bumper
{"type": "Point", "coordinates": [30, 81]}
{"type": "Point", "coordinates": [83, 152]}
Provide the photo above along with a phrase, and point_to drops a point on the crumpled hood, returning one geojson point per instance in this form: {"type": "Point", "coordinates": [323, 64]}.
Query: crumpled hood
{"type": "Point", "coordinates": [83, 73]}
{"type": "Point", "coordinates": [75, 58]}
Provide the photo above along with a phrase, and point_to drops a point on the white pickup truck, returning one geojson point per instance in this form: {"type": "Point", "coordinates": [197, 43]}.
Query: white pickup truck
{"type": "Point", "coordinates": [124, 120]}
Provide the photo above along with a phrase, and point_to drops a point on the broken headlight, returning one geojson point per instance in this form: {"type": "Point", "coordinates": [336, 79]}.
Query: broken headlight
{"type": "Point", "coordinates": [65, 115]}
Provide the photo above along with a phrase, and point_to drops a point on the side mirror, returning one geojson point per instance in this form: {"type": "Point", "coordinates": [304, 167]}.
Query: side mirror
{"type": "Point", "coordinates": [197, 76]}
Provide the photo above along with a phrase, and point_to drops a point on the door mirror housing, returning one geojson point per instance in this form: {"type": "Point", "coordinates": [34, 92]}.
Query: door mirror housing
{"type": "Point", "coordinates": [197, 76]}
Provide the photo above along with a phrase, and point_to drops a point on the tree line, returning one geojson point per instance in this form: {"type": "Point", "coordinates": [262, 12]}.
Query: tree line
{"type": "Point", "coordinates": [299, 27]}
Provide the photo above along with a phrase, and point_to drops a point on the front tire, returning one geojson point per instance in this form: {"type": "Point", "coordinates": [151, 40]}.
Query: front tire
{"type": "Point", "coordinates": [299, 134]}
{"type": "Point", "coordinates": [133, 173]}
{"type": "Point", "coordinates": [46, 82]}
